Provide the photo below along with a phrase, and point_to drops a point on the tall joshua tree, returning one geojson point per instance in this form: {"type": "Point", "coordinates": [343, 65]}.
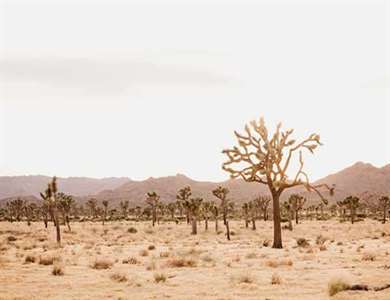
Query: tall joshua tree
{"type": "Point", "coordinates": [183, 195]}
{"type": "Point", "coordinates": [50, 195]}
{"type": "Point", "coordinates": [153, 200]}
{"type": "Point", "coordinates": [384, 204]}
{"type": "Point", "coordinates": [265, 158]}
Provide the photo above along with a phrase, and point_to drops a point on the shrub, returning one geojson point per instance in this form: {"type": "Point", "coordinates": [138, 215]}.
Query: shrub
{"type": "Point", "coordinates": [320, 240]}
{"type": "Point", "coordinates": [164, 254]}
{"type": "Point", "coordinates": [159, 277]}
{"type": "Point", "coordinates": [251, 255]}
{"type": "Point", "coordinates": [29, 259]}
{"type": "Point", "coordinates": [58, 270]}
{"type": "Point", "coordinates": [132, 230]}
{"type": "Point", "coordinates": [276, 263]}
{"type": "Point", "coordinates": [130, 261]}
{"type": "Point", "coordinates": [275, 279]}
{"type": "Point", "coordinates": [151, 247]}
{"type": "Point", "coordinates": [11, 238]}
{"type": "Point", "coordinates": [244, 278]}
{"type": "Point", "coordinates": [102, 264]}
{"type": "Point", "coordinates": [266, 243]}
{"type": "Point", "coordinates": [48, 259]}
{"type": "Point", "coordinates": [337, 285]}
{"type": "Point", "coordinates": [368, 256]}
{"type": "Point", "coordinates": [302, 242]}
{"type": "Point", "coordinates": [119, 277]}
{"type": "Point", "coordinates": [181, 263]}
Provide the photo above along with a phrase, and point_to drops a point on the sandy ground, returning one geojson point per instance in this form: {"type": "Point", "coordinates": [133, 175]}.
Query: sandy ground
{"type": "Point", "coordinates": [213, 267]}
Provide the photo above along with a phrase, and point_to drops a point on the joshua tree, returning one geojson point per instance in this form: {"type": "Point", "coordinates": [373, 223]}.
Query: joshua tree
{"type": "Point", "coordinates": [289, 212]}
{"type": "Point", "coordinates": [124, 206]}
{"type": "Point", "coordinates": [195, 209]}
{"type": "Point", "coordinates": [221, 193]}
{"type": "Point", "coordinates": [183, 195]}
{"type": "Point", "coordinates": [252, 213]}
{"type": "Point", "coordinates": [105, 205]}
{"type": "Point", "coordinates": [262, 202]}
{"type": "Point", "coordinates": [245, 209]}
{"type": "Point", "coordinates": [215, 213]}
{"type": "Point", "coordinates": [153, 200]}
{"type": "Point", "coordinates": [65, 203]}
{"type": "Point", "coordinates": [207, 209]}
{"type": "Point", "coordinates": [384, 203]}
{"type": "Point", "coordinates": [264, 158]}
{"type": "Point", "coordinates": [171, 207]}
{"type": "Point", "coordinates": [50, 196]}
{"type": "Point", "coordinates": [92, 206]}
{"type": "Point", "coordinates": [297, 202]}
{"type": "Point", "coordinates": [352, 203]}
{"type": "Point", "coordinates": [30, 209]}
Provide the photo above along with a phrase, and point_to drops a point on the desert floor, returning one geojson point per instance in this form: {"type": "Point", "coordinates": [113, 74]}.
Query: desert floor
{"type": "Point", "coordinates": [206, 266]}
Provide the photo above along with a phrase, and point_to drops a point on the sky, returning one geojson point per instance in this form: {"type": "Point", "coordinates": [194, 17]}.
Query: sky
{"type": "Point", "coordinates": [154, 88]}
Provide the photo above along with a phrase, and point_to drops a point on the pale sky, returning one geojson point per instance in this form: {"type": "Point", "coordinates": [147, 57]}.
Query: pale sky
{"type": "Point", "coordinates": [155, 88]}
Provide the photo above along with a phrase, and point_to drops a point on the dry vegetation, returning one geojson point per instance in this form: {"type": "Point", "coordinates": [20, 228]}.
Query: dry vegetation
{"type": "Point", "coordinates": [113, 262]}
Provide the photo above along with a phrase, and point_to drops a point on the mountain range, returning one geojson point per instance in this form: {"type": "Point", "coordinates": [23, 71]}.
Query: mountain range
{"type": "Point", "coordinates": [354, 180]}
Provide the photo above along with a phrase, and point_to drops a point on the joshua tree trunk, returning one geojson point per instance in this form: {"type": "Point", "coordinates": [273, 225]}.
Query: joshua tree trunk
{"type": "Point", "coordinates": [206, 223]}
{"type": "Point", "coordinates": [45, 220]}
{"type": "Point", "coordinates": [384, 213]}
{"type": "Point", "coordinates": [224, 216]}
{"type": "Point", "coordinates": [154, 216]}
{"type": "Point", "coordinates": [246, 222]}
{"type": "Point", "coordinates": [253, 223]}
{"type": "Point", "coordinates": [277, 228]}
{"type": "Point", "coordinates": [216, 219]}
{"type": "Point", "coordinates": [296, 216]}
{"type": "Point", "coordinates": [353, 215]}
{"type": "Point", "coordinates": [227, 230]}
{"type": "Point", "coordinates": [58, 229]}
{"type": "Point", "coordinates": [194, 226]}
{"type": "Point", "coordinates": [68, 223]}
{"type": "Point", "coordinates": [265, 215]}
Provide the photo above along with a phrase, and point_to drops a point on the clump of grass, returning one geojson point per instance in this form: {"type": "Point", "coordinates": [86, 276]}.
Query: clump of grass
{"type": "Point", "coordinates": [58, 270]}
{"type": "Point", "coordinates": [244, 278]}
{"type": "Point", "coordinates": [29, 259]}
{"type": "Point", "coordinates": [102, 264]}
{"type": "Point", "coordinates": [48, 259]}
{"type": "Point", "coordinates": [368, 256]}
{"type": "Point", "coordinates": [337, 285]}
{"type": "Point", "coordinates": [144, 252]}
{"type": "Point", "coordinates": [11, 238]}
{"type": "Point", "coordinates": [164, 254]}
{"type": "Point", "coordinates": [181, 263]}
{"type": "Point", "coordinates": [273, 263]}
{"type": "Point", "coordinates": [130, 261]}
{"type": "Point", "coordinates": [275, 279]}
{"type": "Point", "coordinates": [320, 240]}
{"type": "Point", "coordinates": [132, 230]}
{"type": "Point", "coordinates": [251, 255]}
{"type": "Point", "coordinates": [266, 243]}
{"type": "Point", "coordinates": [151, 247]}
{"type": "Point", "coordinates": [302, 242]}
{"type": "Point", "coordinates": [207, 258]}
{"type": "Point", "coordinates": [118, 277]}
{"type": "Point", "coordinates": [159, 277]}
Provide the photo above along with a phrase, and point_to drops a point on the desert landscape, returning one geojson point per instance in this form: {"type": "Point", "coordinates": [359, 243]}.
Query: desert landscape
{"type": "Point", "coordinates": [194, 149]}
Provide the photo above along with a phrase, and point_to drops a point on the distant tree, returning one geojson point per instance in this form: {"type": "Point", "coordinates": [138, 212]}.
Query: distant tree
{"type": "Point", "coordinates": [221, 193]}
{"type": "Point", "coordinates": [245, 209]}
{"type": "Point", "coordinates": [384, 204]}
{"type": "Point", "coordinates": [171, 207]}
{"type": "Point", "coordinates": [195, 209]}
{"type": "Point", "coordinates": [153, 199]}
{"type": "Point", "coordinates": [124, 207]}
{"type": "Point", "coordinates": [297, 202]}
{"type": "Point", "coordinates": [262, 202]}
{"type": "Point", "coordinates": [289, 213]}
{"type": "Point", "coordinates": [264, 158]}
{"type": "Point", "coordinates": [183, 196]}
{"type": "Point", "coordinates": [352, 202]}
{"type": "Point", "coordinates": [207, 210]}
{"type": "Point", "coordinates": [65, 203]}
{"type": "Point", "coordinates": [50, 195]}
{"type": "Point", "coordinates": [105, 205]}
{"type": "Point", "coordinates": [92, 206]}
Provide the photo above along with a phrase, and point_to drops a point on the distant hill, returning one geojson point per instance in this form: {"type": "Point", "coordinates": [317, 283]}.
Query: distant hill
{"type": "Point", "coordinates": [354, 180]}
{"type": "Point", "coordinates": [12, 186]}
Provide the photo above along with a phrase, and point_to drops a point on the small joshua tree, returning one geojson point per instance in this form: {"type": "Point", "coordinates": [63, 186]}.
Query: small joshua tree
{"type": "Point", "coordinates": [265, 158]}
{"type": "Point", "coordinates": [221, 193]}
{"type": "Point", "coordinates": [183, 195]}
{"type": "Point", "coordinates": [153, 200]}
{"type": "Point", "coordinates": [65, 204]}
{"type": "Point", "coordinates": [105, 205]}
{"type": "Point", "coordinates": [195, 205]}
{"type": "Point", "coordinates": [207, 209]}
{"type": "Point", "coordinates": [289, 212]}
{"type": "Point", "coordinates": [352, 202]}
{"type": "Point", "coordinates": [384, 204]}
{"type": "Point", "coordinates": [171, 207]}
{"type": "Point", "coordinates": [297, 202]}
{"type": "Point", "coordinates": [245, 210]}
{"type": "Point", "coordinates": [262, 202]}
{"type": "Point", "coordinates": [124, 206]}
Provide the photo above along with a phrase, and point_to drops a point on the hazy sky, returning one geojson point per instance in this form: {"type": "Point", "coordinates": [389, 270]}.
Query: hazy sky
{"type": "Point", "coordinates": [155, 88]}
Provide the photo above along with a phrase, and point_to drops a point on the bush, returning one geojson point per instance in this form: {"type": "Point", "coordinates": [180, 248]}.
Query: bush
{"type": "Point", "coordinates": [181, 263]}
{"type": "Point", "coordinates": [159, 277]}
{"type": "Point", "coordinates": [302, 242]}
{"type": "Point", "coordinates": [102, 264]}
{"type": "Point", "coordinates": [47, 260]}
{"type": "Point", "coordinates": [11, 238]}
{"type": "Point", "coordinates": [337, 285]}
{"type": "Point", "coordinates": [29, 259]}
{"type": "Point", "coordinates": [130, 261]}
{"type": "Point", "coordinates": [275, 279]}
{"type": "Point", "coordinates": [151, 247]}
{"type": "Point", "coordinates": [368, 256]}
{"type": "Point", "coordinates": [58, 270]}
{"type": "Point", "coordinates": [119, 277]}
{"type": "Point", "coordinates": [132, 230]}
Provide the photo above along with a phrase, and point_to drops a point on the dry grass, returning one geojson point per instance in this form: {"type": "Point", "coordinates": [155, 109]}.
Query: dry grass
{"type": "Point", "coordinates": [58, 270]}
{"type": "Point", "coordinates": [48, 259]}
{"type": "Point", "coordinates": [276, 279]}
{"type": "Point", "coordinates": [102, 263]}
{"type": "Point", "coordinates": [275, 263]}
{"type": "Point", "coordinates": [337, 285]}
{"type": "Point", "coordinates": [179, 262]}
{"type": "Point", "coordinates": [159, 277]}
{"type": "Point", "coordinates": [119, 277]}
{"type": "Point", "coordinates": [144, 252]}
{"type": "Point", "coordinates": [368, 256]}
{"type": "Point", "coordinates": [30, 259]}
